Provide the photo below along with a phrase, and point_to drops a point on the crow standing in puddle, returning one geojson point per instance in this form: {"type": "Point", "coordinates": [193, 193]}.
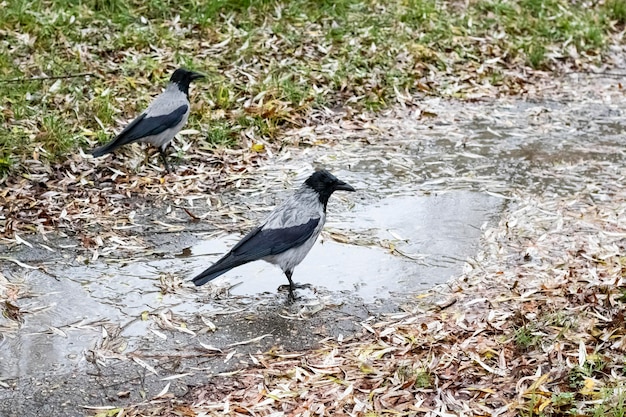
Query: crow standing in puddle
{"type": "Point", "coordinates": [287, 234]}
{"type": "Point", "coordinates": [161, 121]}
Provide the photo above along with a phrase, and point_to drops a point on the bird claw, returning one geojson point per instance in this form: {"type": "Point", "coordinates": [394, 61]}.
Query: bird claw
{"type": "Point", "coordinates": [292, 295]}
{"type": "Point", "coordinates": [291, 298]}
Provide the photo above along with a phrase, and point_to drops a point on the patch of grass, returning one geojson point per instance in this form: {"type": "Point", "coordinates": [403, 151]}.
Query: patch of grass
{"type": "Point", "coordinates": [111, 7]}
{"type": "Point", "coordinates": [302, 54]}
{"type": "Point", "coordinates": [616, 10]}
{"type": "Point", "coordinates": [613, 403]}
{"type": "Point", "coordinates": [5, 164]}
{"type": "Point", "coordinates": [292, 90]}
{"type": "Point", "coordinates": [593, 365]}
{"type": "Point", "coordinates": [536, 54]}
{"type": "Point", "coordinates": [564, 402]}
{"type": "Point", "coordinates": [594, 38]}
{"type": "Point", "coordinates": [14, 142]}
{"type": "Point", "coordinates": [576, 377]}
{"type": "Point", "coordinates": [526, 337]}
{"type": "Point", "coordinates": [532, 407]}
{"type": "Point", "coordinates": [102, 108]}
{"type": "Point", "coordinates": [419, 12]}
{"type": "Point", "coordinates": [220, 134]}
{"type": "Point", "coordinates": [421, 377]}
{"type": "Point", "coordinates": [54, 135]}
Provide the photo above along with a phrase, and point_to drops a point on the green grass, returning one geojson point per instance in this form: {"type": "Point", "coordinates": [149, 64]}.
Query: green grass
{"type": "Point", "coordinates": [582, 391]}
{"type": "Point", "coordinates": [564, 403]}
{"type": "Point", "coordinates": [593, 365]}
{"type": "Point", "coordinates": [220, 134]}
{"type": "Point", "coordinates": [613, 404]}
{"type": "Point", "coordinates": [526, 337]}
{"type": "Point", "coordinates": [421, 377]}
{"type": "Point", "coordinates": [301, 54]}
{"type": "Point", "coordinates": [616, 11]}
{"type": "Point", "coordinates": [533, 403]}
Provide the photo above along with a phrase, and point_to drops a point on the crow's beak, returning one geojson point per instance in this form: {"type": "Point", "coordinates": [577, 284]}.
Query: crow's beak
{"type": "Point", "coordinates": [196, 75]}
{"type": "Point", "coordinates": [344, 186]}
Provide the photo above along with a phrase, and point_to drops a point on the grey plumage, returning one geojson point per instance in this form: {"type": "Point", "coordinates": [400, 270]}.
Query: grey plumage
{"type": "Point", "coordinates": [287, 234]}
{"type": "Point", "coordinates": [161, 121]}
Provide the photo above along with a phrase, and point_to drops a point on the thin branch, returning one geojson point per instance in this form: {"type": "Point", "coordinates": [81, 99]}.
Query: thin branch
{"type": "Point", "coordinates": [193, 216]}
{"type": "Point", "coordinates": [57, 77]}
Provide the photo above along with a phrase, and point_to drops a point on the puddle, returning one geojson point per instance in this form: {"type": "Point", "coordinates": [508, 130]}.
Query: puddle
{"type": "Point", "coordinates": [432, 236]}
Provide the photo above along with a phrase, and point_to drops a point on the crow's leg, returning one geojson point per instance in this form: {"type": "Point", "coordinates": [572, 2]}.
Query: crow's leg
{"type": "Point", "coordinates": [293, 286]}
{"type": "Point", "coordinates": [164, 158]}
{"type": "Point", "coordinates": [292, 296]}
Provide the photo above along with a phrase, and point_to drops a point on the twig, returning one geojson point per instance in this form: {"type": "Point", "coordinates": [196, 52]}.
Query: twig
{"type": "Point", "coordinates": [193, 216]}
{"type": "Point", "coordinates": [56, 77]}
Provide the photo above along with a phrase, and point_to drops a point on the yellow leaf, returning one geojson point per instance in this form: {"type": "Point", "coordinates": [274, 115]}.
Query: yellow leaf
{"type": "Point", "coordinates": [122, 346]}
{"type": "Point", "coordinates": [543, 404]}
{"type": "Point", "coordinates": [367, 368]}
{"type": "Point", "coordinates": [589, 387]}
{"type": "Point", "coordinates": [540, 381]}
{"type": "Point", "coordinates": [258, 147]}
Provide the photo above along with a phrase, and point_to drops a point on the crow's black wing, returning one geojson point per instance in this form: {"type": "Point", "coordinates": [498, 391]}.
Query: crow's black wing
{"type": "Point", "coordinates": [258, 244]}
{"type": "Point", "coordinates": [264, 242]}
{"type": "Point", "coordinates": [151, 125]}
{"type": "Point", "coordinates": [143, 126]}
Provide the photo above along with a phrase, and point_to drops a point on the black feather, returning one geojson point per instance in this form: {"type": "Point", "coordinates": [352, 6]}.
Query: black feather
{"type": "Point", "coordinates": [258, 244]}
{"type": "Point", "coordinates": [141, 127]}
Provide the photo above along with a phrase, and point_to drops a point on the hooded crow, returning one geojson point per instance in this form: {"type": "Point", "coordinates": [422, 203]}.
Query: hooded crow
{"type": "Point", "coordinates": [287, 234]}
{"type": "Point", "coordinates": [161, 121]}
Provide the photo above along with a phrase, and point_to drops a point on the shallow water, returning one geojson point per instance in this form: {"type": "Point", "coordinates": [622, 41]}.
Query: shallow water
{"type": "Point", "coordinates": [430, 235]}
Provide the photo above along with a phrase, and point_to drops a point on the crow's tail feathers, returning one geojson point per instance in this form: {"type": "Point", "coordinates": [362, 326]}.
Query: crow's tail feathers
{"type": "Point", "coordinates": [207, 276]}
{"type": "Point", "coordinates": [103, 150]}
{"type": "Point", "coordinates": [218, 268]}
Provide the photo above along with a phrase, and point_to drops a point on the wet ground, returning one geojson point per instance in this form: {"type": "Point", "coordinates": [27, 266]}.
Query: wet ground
{"type": "Point", "coordinates": [114, 329]}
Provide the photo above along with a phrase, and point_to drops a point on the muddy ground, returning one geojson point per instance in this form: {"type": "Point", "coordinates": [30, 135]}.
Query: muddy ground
{"type": "Point", "coordinates": [116, 325]}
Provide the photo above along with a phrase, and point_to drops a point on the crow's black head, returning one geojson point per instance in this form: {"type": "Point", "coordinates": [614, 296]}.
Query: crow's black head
{"type": "Point", "coordinates": [183, 78]}
{"type": "Point", "coordinates": [325, 183]}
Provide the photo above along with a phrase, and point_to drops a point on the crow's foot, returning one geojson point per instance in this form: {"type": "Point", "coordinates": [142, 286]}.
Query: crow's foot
{"type": "Point", "coordinates": [292, 295]}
